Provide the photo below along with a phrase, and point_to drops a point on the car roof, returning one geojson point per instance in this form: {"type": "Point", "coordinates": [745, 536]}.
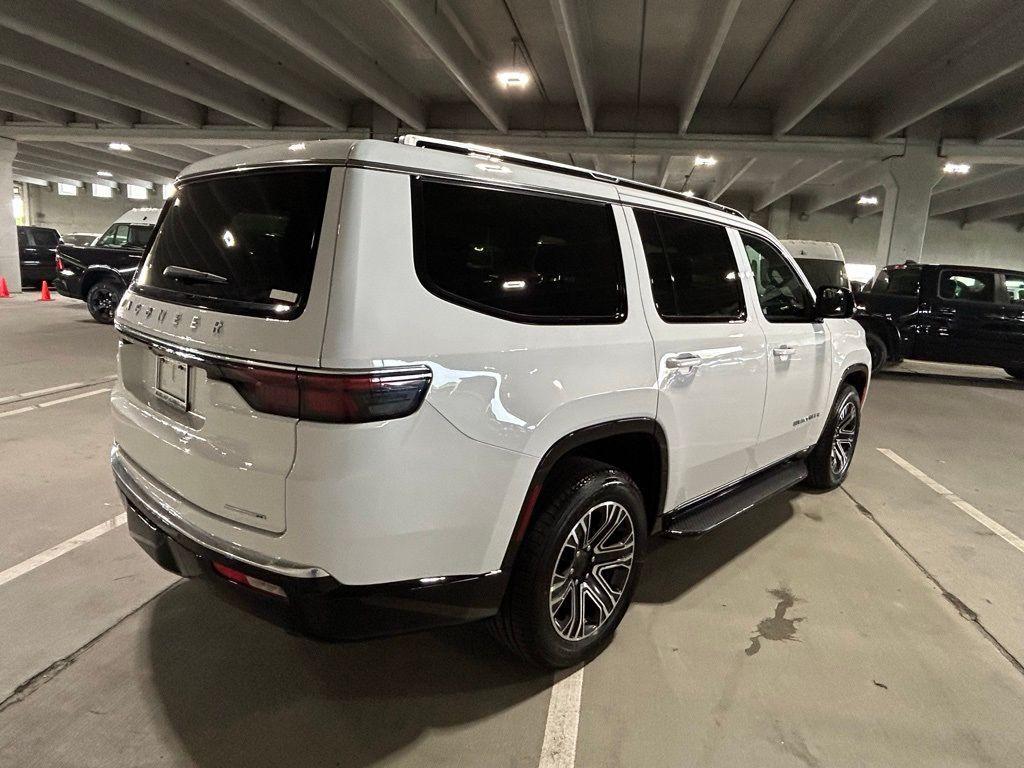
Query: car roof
{"type": "Point", "coordinates": [464, 161]}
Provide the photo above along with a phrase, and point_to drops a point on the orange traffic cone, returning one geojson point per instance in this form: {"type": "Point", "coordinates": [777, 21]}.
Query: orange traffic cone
{"type": "Point", "coordinates": [45, 293]}
{"type": "Point", "coordinates": [4, 293]}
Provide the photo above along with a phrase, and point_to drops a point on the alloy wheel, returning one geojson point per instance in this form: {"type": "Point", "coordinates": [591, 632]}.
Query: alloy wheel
{"type": "Point", "coordinates": [592, 571]}
{"type": "Point", "coordinates": [845, 437]}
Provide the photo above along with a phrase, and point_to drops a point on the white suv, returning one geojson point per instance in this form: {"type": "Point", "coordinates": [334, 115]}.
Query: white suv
{"type": "Point", "coordinates": [385, 386]}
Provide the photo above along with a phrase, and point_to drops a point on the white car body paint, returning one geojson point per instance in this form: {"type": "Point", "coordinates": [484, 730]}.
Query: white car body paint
{"type": "Point", "coordinates": [439, 492]}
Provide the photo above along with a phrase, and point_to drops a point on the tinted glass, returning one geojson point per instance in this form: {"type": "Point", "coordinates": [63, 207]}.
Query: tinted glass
{"type": "Point", "coordinates": [528, 257]}
{"type": "Point", "coordinates": [781, 292]}
{"type": "Point", "coordinates": [45, 238]}
{"type": "Point", "coordinates": [965, 285]}
{"type": "Point", "coordinates": [22, 238]}
{"type": "Point", "coordinates": [898, 281]}
{"type": "Point", "coordinates": [138, 235]}
{"type": "Point", "coordinates": [692, 268]}
{"type": "Point", "coordinates": [249, 240]}
{"type": "Point", "coordinates": [1015, 288]}
{"type": "Point", "coordinates": [822, 272]}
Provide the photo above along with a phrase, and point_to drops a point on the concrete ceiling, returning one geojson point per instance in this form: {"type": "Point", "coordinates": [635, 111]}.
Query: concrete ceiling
{"type": "Point", "coordinates": [793, 97]}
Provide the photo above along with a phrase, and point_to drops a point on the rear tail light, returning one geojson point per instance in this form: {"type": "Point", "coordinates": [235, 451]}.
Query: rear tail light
{"type": "Point", "coordinates": [348, 398]}
{"type": "Point", "coordinates": [60, 264]}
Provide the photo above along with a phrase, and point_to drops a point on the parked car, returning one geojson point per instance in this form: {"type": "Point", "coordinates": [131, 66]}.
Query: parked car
{"type": "Point", "coordinates": [98, 273]}
{"type": "Point", "coordinates": [37, 254]}
{"type": "Point", "coordinates": [80, 238]}
{"type": "Point", "coordinates": [386, 386]}
{"type": "Point", "coordinates": [821, 261]}
{"type": "Point", "coordinates": [945, 313]}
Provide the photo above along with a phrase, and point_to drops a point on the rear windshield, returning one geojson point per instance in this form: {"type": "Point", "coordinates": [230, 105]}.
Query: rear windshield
{"type": "Point", "coordinates": [242, 244]}
{"type": "Point", "coordinates": [824, 273]}
{"type": "Point", "coordinates": [45, 238]}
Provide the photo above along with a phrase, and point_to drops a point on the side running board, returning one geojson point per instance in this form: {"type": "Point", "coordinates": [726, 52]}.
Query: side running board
{"type": "Point", "coordinates": [708, 514]}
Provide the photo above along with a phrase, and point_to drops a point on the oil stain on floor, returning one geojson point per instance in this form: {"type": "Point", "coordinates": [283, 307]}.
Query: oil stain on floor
{"type": "Point", "coordinates": [776, 627]}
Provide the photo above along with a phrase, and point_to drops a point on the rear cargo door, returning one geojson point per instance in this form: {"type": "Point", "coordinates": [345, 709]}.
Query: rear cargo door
{"type": "Point", "coordinates": [237, 275]}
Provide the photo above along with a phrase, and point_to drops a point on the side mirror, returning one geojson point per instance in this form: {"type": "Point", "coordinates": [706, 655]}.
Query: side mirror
{"type": "Point", "coordinates": [833, 301]}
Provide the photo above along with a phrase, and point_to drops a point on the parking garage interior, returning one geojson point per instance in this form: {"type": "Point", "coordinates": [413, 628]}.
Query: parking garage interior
{"type": "Point", "coordinates": [881, 623]}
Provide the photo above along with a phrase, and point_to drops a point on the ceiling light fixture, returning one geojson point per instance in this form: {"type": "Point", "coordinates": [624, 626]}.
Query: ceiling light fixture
{"type": "Point", "coordinates": [867, 200]}
{"type": "Point", "coordinates": [104, 173]}
{"type": "Point", "coordinates": [119, 146]}
{"type": "Point", "coordinates": [514, 77]}
{"type": "Point", "coordinates": [957, 168]}
{"type": "Point", "coordinates": [689, 193]}
{"type": "Point", "coordinates": [704, 161]}
{"type": "Point", "coordinates": [297, 146]}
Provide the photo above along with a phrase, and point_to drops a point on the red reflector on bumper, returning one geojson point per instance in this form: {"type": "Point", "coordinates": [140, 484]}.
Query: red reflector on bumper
{"type": "Point", "coordinates": [245, 579]}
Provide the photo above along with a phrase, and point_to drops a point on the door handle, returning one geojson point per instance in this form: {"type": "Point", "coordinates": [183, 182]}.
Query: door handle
{"type": "Point", "coordinates": [683, 362]}
{"type": "Point", "coordinates": [784, 351]}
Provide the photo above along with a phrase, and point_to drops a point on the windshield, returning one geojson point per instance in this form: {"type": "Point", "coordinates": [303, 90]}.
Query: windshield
{"type": "Point", "coordinates": [244, 244]}
{"type": "Point", "coordinates": [822, 272]}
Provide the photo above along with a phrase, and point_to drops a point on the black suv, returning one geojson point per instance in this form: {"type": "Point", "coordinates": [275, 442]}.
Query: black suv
{"type": "Point", "coordinates": [945, 313]}
{"type": "Point", "coordinates": [37, 254]}
{"type": "Point", "coordinates": [98, 274]}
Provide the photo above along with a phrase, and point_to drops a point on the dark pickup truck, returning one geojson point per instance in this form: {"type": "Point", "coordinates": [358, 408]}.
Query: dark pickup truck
{"type": "Point", "coordinates": [98, 274]}
{"type": "Point", "coordinates": [945, 313]}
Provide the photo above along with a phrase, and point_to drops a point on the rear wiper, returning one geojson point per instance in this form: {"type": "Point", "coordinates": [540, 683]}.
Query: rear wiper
{"type": "Point", "coordinates": [193, 275]}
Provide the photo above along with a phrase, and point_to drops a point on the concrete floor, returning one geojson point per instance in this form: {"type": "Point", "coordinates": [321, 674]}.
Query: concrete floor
{"type": "Point", "coordinates": [875, 625]}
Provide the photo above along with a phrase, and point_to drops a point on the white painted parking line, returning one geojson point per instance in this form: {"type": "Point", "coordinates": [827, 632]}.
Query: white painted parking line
{"type": "Point", "coordinates": [51, 390]}
{"type": "Point", "coordinates": [58, 401]}
{"type": "Point", "coordinates": [559, 748]}
{"type": "Point", "coordinates": [90, 393]}
{"type": "Point", "coordinates": [16, 411]}
{"type": "Point", "coordinates": [1004, 533]}
{"type": "Point", "coordinates": [26, 566]}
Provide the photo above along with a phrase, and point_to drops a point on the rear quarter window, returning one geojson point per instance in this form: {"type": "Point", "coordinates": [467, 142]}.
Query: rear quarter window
{"type": "Point", "coordinates": [243, 244]}
{"type": "Point", "coordinates": [520, 256]}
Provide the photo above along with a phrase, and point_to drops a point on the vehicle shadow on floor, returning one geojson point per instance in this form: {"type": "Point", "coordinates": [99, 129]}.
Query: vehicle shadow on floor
{"type": "Point", "coordinates": [959, 380]}
{"type": "Point", "coordinates": [239, 691]}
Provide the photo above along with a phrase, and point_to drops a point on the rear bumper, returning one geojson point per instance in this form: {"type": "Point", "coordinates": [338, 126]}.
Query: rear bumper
{"type": "Point", "coordinates": [314, 602]}
{"type": "Point", "coordinates": [69, 285]}
{"type": "Point", "coordinates": [34, 273]}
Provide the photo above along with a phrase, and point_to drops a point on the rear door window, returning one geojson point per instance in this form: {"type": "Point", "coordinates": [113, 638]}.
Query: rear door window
{"type": "Point", "coordinates": [692, 267]}
{"type": "Point", "coordinates": [521, 256]}
{"type": "Point", "coordinates": [244, 244]}
{"type": "Point", "coordinates": [45, 238]}
{"type": "Point", "coordinates": [967, 285]}
{"type": "Point", "coordinates": [1015, 288]}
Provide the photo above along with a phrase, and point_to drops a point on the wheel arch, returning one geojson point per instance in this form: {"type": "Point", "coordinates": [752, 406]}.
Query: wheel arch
{"type": "Point", "coordinates": [859, 375]}
{"type": "Point", "coordinates": [635, 445]}
{"type": "Point", "coordinates": [94, 274]}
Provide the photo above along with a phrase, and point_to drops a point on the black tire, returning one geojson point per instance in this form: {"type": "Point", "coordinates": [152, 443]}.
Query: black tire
{"type": "Point", "coordinates": [528, 623]}
{"type": "Point", "coordinates": [842, 429]}
{"type": "Point", "coordinates": [878, 349]}
{"type": "Point", "coordinates": [103, 298]}
{"type": "Point", "coordinates": [1017, 373]}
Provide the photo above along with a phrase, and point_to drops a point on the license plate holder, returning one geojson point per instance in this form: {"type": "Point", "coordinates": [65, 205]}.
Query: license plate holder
{"type": "Point", "coordinates": [173, 382]}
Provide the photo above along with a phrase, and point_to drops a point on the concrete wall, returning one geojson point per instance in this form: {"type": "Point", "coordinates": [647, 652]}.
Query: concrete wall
{"type": "Point", "coordinates": [83, 212]}
{"type": "Point", "coordinates": [988, 244]}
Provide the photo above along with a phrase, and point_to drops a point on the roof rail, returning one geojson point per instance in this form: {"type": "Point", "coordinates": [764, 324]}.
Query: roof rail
{"type": "Point", "coordinates": [491, 153]}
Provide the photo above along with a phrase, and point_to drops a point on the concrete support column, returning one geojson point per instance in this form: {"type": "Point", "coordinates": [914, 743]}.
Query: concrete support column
{"type": "Point", "coordinates": [909, 196]}
{"type": "Point", "coordinates": [9, 264]}
{"type": "Point", "coordinates": [778, 217]}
